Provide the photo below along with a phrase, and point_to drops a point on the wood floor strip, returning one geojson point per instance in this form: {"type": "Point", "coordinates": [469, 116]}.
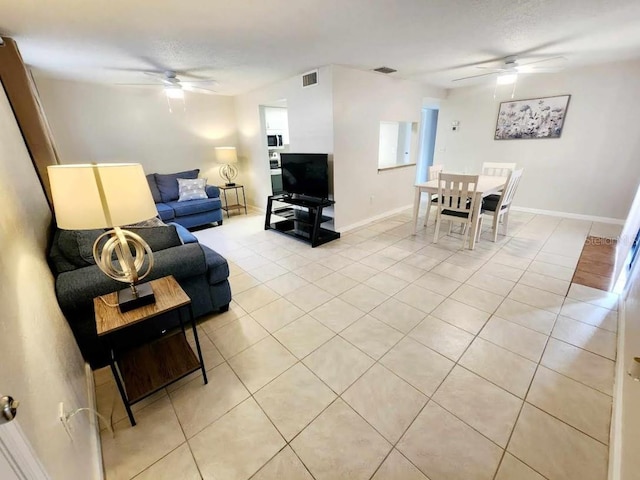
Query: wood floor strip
{"type": "Point", "coordinates": [596, 263]}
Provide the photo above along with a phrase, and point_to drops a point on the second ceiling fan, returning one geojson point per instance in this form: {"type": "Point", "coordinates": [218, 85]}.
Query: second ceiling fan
{"type": "Point", "coordinates": [506, 73]}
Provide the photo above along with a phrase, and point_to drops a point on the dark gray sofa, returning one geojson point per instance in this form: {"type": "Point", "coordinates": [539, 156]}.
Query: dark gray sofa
{"type": "Point", "coordinates": [200, 271]}
{"type": "Point", "coordinates": [192, 213]}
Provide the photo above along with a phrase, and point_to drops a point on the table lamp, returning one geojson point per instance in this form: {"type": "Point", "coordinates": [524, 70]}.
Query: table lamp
{"type": "Point", "coordinates": [227, 156]}
{"type": "Point", "coordinates": [109, 195]}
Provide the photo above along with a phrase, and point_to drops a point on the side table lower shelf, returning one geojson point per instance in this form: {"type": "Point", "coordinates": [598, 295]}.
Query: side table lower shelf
{"type": "Point", "coordinates": [151, 367]}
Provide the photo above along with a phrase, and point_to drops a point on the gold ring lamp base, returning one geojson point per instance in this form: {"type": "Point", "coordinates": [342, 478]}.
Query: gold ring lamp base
{"type": "Point", "coordinates": [229, 173]}
{"type": "Point", "coordinates": [126, 266]}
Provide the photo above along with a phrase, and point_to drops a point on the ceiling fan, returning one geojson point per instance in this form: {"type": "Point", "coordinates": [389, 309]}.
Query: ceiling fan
{"type": "Point", "coordinates": [174, 87]}
{"type": "Point", "coordinates": [507, 72]}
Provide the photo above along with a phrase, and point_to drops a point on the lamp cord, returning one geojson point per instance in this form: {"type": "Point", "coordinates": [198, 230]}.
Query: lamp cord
{"type": "Point", "coordinates": [112, 305]}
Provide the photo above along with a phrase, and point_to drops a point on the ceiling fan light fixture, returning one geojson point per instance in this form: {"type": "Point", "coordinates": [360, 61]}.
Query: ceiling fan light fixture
{"type": "Point", "coordinates": [506, 78]}
{"type": "Point", "coordinates": [174, 92]}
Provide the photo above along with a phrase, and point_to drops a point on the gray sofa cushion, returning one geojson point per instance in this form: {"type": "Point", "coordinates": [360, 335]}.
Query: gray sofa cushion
{"type": "Point", "coordinates": [153, 186]}
{"type": "Point", "coordinates": [168, 183]}
{"type": "Point", "coordinates": [57, 260]}
{"type": "Point", "coordinates": [191, 207]}
{"type": "Point", "coordinates": [74, 248]}
{"type": "Point", "coordinates": [77, 246]}
{"type": "Point", "coordinates": [159, 238]}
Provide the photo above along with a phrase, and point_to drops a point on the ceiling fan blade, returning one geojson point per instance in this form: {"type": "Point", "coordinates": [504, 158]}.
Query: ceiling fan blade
{"type": "Point", "coordinates": [497, 70]}
{"type": "Point", "coordinates": [193, 89]}
{"type": "Point", "coordinates": [211, 81]}
{"type": "Point", "coordinates": [559, 58]}
{"type": "Point", "coordinates": [141, 84]}
{"type": "Point", "coordinates": [475, 76]}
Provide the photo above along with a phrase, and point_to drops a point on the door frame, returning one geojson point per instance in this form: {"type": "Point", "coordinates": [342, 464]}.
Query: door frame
{"type": "Point", "coordinates": [16, 449]}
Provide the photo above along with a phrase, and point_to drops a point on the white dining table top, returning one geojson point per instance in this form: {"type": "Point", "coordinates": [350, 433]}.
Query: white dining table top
{"type": "Point", "coordinates": [485, 183]}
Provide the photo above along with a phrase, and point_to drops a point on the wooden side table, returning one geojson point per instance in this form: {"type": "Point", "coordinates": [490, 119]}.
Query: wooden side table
{"type": "Point", "coordinates": [226, 207]}
{"type": "Point", "coordinates": [143, 370]}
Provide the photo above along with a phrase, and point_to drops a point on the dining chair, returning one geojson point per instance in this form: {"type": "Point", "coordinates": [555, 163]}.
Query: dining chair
{"type": "Point", "coordinates": [497, 169]}
{"type": "Point", "coordinates": [501, 207]}
{"type": "Point", "coordinates": [434, 170]}
{"type": "Point", "coordinates": [456, 199]}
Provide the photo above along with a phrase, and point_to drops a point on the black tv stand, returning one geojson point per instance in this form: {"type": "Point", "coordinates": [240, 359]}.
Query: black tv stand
{"type": "Point", "coordinates": [302, 223]}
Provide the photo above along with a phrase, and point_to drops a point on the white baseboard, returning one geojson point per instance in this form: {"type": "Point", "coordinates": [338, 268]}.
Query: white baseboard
{"type": "Point", "coordinates": [576, 216]}
{"type": "Point", "coordinates": [95, 423]}
{"type": "Point", "coordinates": [380, 216]}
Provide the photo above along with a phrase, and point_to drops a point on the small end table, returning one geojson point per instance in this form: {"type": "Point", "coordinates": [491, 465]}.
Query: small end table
{"type": "Point", "coordinates": [226, 207]}
{"type": "Point", "coordinates": [145, 369]}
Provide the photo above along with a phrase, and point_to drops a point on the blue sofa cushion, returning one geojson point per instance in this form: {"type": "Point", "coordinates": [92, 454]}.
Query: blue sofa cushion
{"type": "Point", "coordinates": [191, 207]}
{"type": "Point", "coordinates": [217, 266]}
{"type": "Point", "coordinates": [153, 186]}
{"type": "Point", "coordinates": [168, 183]}
{"type": "Point", "coordinates": [165, 211]}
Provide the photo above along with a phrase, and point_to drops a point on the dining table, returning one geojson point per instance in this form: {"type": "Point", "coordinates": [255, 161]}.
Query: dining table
{"type": "Point", "coordinates": [487, 185]}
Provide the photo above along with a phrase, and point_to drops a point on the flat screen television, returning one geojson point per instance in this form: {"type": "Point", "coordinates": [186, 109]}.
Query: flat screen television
{"type": "Point", "coordinates": [305, 174]}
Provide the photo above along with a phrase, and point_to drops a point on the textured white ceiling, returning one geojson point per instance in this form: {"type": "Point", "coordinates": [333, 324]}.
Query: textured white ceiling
{"type": "Point", "coordinates": [245, 44]}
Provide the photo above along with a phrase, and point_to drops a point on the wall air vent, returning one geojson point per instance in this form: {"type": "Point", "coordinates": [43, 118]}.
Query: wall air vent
{"type": "Point", "coordinates": [310, 78]}
{"type": "Point", "coordinates": [385, 70]}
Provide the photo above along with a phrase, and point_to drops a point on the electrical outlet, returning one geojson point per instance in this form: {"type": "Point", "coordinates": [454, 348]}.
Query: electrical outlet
{"type": "Point", "coordinates": [61, 415]}
{"type": "Point", "coordinates": [371, 198]}
{"type": "Point", "coordinates": [64, 419]}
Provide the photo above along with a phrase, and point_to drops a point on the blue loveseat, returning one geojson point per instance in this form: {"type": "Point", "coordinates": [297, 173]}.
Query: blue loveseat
{"type": "Point", "coordinates": [191, 213]}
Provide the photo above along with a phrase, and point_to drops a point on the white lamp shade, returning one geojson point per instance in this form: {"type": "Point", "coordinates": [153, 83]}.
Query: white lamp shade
{"type": "Point", "coordinates": [226, 155]}
{"type": "Point", "coordinates": [100, 196]}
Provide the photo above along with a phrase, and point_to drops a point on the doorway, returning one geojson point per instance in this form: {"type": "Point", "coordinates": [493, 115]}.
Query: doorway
{"type": "Point", "coordinates": [275, 120]}
{"type": "Point", "coordinates": [428, 129]}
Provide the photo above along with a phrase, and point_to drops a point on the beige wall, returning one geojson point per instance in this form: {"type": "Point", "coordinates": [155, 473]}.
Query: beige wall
{"type": "Point", "coordinates": [310, 127]}
{"type": "Point", "coordinates": [41, 363]}
{"type": "Point", "coordinates": [360, 101]}
{"type": "Point", "coordinates": [593, 169]}
{"type": "Point", "coordinates": [106, 123]}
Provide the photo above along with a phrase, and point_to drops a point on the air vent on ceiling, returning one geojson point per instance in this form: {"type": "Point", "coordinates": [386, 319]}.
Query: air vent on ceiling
{"type": "Point", "coordinates": [385, 70]}
{"type": "Point", "coordinates": [310, 78]}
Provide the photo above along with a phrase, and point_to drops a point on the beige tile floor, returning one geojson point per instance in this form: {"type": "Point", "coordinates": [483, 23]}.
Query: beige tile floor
{"type": "Point", "coordinates": [384, 356]}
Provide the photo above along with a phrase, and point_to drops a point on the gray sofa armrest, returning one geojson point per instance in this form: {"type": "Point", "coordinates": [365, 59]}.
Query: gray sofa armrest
{"type": "Point", "coordinates": [212, 191]}
{"type": "Point", "coordinates": [76, 289]}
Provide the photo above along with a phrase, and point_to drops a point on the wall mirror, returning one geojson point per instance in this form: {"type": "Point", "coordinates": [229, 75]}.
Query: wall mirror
{"type": "Point", "coordinates": [398, 144]}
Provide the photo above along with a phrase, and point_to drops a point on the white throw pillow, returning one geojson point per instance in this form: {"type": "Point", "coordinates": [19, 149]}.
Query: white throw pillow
{"type": "Point", "coordinates": [191, 189]}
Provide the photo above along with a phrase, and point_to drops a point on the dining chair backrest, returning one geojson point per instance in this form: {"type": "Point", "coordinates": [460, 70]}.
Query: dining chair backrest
{"type": "Point", "coordinates": [457, 192]}
{"type": "Point", "coordinates": [496, 169]}
{"type": "Point", "coordinates": [434, 170]}
{"type": "Point", "coordinates": [513, 180]}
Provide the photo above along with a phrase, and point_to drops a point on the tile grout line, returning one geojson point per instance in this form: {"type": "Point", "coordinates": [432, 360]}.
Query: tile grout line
{"type": "Point", "coordinates": [402, 338]}
{"type": "Point", "coordinates": [527, 394]}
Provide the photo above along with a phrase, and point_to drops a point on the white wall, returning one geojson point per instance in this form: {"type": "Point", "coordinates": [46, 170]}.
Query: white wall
{"type": "Point", "coordinates": [360, 101]}
{"type": "Point", "coordinates": [41, 363]}
{"type": "Point", "coordinates": [310, 114]}
{"type": "Point", "coordinates": [593, 169]}
{"type": "Point", "coordinates": [104, 123]}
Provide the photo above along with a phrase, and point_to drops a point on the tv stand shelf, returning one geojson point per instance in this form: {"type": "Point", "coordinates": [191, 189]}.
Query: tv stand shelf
{"type": "Point", "coordinates": [304, 222]}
